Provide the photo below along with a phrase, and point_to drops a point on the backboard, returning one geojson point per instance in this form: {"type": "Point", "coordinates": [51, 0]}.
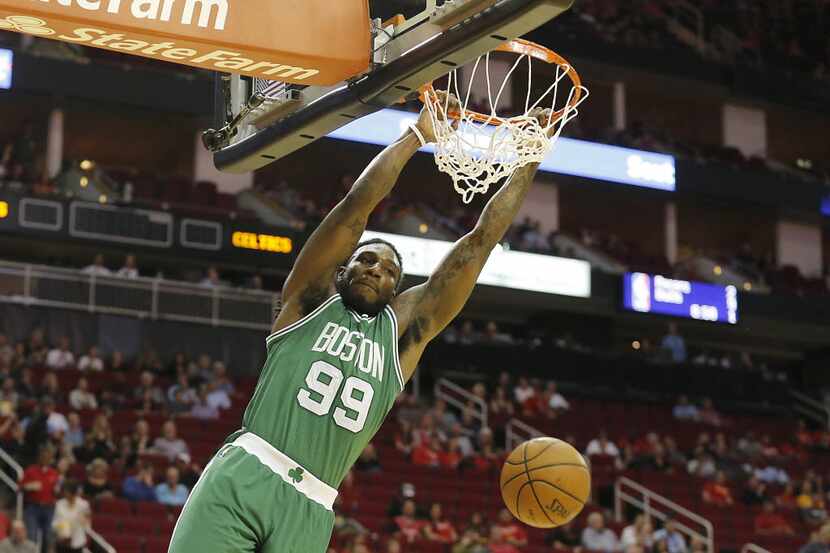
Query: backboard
{"type": "Point", "coordinates": [258, 121]}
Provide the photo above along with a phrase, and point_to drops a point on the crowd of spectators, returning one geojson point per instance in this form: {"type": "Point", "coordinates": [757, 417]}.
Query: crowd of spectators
{"type": "Point", "coordinates": [209, 277]}
{"type": "Point", "coordinates": [728, 467]}
{"type": "Point", "coordinates": [20, 161]}
{"type": "Point", "coordinates": [771, 35]}
{"type": "Point", "coordinates": [67, 464]}
{"type": "Point", "coordinates": [42, 426]}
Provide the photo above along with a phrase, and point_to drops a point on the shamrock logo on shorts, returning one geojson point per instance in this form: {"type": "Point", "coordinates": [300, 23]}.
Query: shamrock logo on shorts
{"type": "Point", "coordinates": [296, 475]}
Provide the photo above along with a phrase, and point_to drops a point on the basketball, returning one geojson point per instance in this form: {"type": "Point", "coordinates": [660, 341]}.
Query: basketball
{"type": "Point", "coordinates": [545, 482]}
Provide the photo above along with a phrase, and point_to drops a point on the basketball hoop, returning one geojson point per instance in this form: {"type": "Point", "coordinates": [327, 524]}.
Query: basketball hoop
{"type": "Point", "coordinates": [477, 149]}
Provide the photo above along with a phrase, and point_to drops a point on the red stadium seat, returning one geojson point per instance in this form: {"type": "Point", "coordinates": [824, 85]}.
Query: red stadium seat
{"type": "Point", "coordinates": [106, 525]}
{"type": "Point", "coordinates": [126, 544]}
{"type": "Point", "coordinates": [140, 526]}
{"type": "Point", "coordinates": [114, 506]}
{"type": "Point", "coordinates": [151, 509]}
{"type": "Point", "coordinates": [156, 544]}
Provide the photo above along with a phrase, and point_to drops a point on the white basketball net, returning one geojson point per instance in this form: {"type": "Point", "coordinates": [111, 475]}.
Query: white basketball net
{"type": "Point", "coordinates": [477, 153]}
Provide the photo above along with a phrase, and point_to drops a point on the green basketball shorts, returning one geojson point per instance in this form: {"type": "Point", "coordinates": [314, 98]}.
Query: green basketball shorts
{"type": "Point", "coordinates": [253, 498]}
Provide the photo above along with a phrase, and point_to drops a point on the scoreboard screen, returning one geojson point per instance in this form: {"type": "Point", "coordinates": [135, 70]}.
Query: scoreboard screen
{"type": "Point", "coordinates": [680, 298]}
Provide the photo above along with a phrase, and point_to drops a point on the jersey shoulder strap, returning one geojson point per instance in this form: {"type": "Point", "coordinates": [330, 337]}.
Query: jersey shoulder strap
{"type": "Point", "coordinates": [395, 356]}
{"type": "Point", "coordinates": [297, 324]}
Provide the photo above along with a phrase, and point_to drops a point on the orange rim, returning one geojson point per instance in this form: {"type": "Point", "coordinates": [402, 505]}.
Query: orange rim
{"type": "Point", "coordinates": [523, 48]}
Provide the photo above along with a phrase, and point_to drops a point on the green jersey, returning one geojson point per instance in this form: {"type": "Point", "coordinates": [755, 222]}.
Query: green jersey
{"type": "Point", "coordinates": [328, 383]}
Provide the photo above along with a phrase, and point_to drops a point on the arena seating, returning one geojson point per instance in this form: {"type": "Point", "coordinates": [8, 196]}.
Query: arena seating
{"type": "Point", "coordinates": [146, 527]}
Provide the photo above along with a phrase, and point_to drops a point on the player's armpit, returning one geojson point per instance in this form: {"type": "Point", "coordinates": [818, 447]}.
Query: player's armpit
{"type": "Point", "coordinates": [428, 308]}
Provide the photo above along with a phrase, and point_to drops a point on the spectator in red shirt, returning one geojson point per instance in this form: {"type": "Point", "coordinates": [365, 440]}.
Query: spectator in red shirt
{"type": "Point", "coordinates": [426, 453]}
{"type": "Point", "coordinates": [770, 523]}
{"type": "Point", "coordinates": [406, 524]}
{"type": "Point", "coordinates": [508, 531]}
{"type": "Point", "coordinates": [717, 492]}
{"type": "Point", "coordinates": [487, 455]}
{"type": "Point", "coordinates": [450, 457]}
{"type": "Point", "coordinates": [438, 528]}
{"type": "Point", "coordinates": [426, 430]}
{"type": "Point", "coordinates": [5, 525]}
{"type": "Point", "coordinates": [40, 483]}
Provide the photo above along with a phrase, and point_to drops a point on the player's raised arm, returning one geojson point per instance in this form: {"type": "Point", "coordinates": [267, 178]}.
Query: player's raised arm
{"type": "Point", "coordinates": [425, 310]}
{"type": "Point", "coordinates": [311, 278]}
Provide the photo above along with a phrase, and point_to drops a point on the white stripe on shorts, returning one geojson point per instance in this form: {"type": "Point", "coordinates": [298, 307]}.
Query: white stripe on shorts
{"type": "Point", "coordinates": [289, 470]}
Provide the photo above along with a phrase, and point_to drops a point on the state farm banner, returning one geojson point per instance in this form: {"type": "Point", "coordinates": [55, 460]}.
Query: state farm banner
{"type": "Point", "coordinates": [314, 42]}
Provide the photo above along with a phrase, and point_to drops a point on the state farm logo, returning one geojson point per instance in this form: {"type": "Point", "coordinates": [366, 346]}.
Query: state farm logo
{"type": "Point", "coordinates": [26, 24]}
{"type": "Point", "coordinates": [202, 13]}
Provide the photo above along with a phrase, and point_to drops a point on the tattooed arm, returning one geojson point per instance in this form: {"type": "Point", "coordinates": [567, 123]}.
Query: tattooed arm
{"type": "Point", "coordinates": [312, 276]}
{"type": "Point", "coordinates": [424, 311]}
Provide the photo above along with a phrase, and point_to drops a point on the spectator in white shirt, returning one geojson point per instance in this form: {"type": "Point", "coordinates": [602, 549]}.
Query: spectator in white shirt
{"type": "Point", "coordinates": [56, 423]}
{"type": "Point", "coordinates": [684, 410]}
{"type": "Point", "coordinates": [97, 268]}
{"type": "Point", "coordinates": [91, 361]}
{"type": "Point", "coordinates": [212, 279]}
{"type": "Point", "coordinates": [169, 443]}
{"type": "Point", "coordinates": [556, 401]}
{"type": "Point", "coordinates": [81, 397]}
{"type": "Point", "coordinates": [220, 378]}
{"type": "Point", "coordinates": [703, 465]}
{"type": "Point", "coordinates": [129, 270]}
{"type": "Point", "coordinates": [217, 398]}
{"type": "Point", "coordinates": [72, 519]}
{"type": "Point", "coordinates": [638, 533]}
{"type": "Point", "coordinates": [61, 357]}
{"type": "Point", "coordinates": [524, 391]}
{"type": "Point", "coordinates": [602, 446]}
{"type": "Point", "coordinates": [597, 537]}
{"type": "Point", "coordinates": [18, 540]}
{"type": "Point", "coordinates": [201, 408]}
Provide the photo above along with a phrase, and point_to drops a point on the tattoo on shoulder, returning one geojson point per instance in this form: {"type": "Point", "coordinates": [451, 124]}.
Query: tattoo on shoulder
{"type": "Point", "coordinates": [413, 334]}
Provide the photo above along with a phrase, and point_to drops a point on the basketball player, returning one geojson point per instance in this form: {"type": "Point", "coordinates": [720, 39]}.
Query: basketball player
{"type": "Point", "coordinates": [343, 346]}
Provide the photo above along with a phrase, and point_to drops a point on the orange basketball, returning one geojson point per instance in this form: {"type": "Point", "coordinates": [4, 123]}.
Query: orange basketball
{"type": "Point", "coordinates": [545, 482]}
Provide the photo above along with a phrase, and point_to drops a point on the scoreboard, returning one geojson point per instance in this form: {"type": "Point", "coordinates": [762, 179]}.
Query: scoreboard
{"type": "Point", "coordinates": [701, 301]}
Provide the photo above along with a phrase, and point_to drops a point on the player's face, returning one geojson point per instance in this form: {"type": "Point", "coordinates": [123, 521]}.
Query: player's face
{"type": "Point", "coordinates": [367, 283]}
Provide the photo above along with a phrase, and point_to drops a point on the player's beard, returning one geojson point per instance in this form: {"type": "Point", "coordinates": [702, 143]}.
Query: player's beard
{"type": "Point", "coordinates": [356, 302]}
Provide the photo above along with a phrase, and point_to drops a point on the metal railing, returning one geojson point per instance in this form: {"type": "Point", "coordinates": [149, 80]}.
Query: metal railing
{"type": "Point", "coordinates": [655, 506]}
{"type": "Point", "coordinates": [811, 408]}
{"type": "Point", "coordinates": [460, 398]}
{"type": "Point", "coordinates": [688, 21]}
{"type": "Point", "coordinates": [99, 540]}
{"type": "Point", "coordinates": [754, 548]}
{"type": "Point", "coordinates": [152, 298]}
{"type": "Point", "coordinates": [13, 484]}
{"type": "Point", "coordinates": [516, 432]}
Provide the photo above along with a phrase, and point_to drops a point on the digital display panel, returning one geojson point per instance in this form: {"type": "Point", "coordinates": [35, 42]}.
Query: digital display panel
{"type": "Point", "coordinates": [6, 65]}
{"type": "Point", "coordinates": [578, 158]}
{"type": "Point", "coordinates": [262, 242]}
{"type": "Point", "coordinates": [680, 298]}
{"type": "Point", "coordinates": [508, 269]}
